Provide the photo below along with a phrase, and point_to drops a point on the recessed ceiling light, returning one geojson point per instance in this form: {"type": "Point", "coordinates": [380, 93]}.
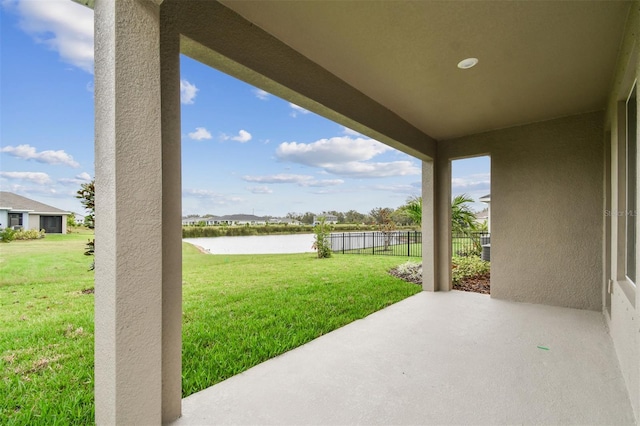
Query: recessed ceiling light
{"type": "Point", "coordinates": [465, 64]}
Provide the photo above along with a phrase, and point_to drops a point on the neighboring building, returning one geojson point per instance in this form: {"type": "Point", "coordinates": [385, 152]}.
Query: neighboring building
{"type": "Point", "coordinates": [20, 212]}
{"type": "Point", "coordinates": [487, 199]}
{"type": "Point", "coordinates": [328, 218]}
{"type": "Point", "coordinates": [242, 220]}
{"type": "Point", "coordinates": [229, 220]}
{"type": "Point", "coordinates": [78, 218]}
{"type": "Point", "coordinates": [190, 221]}
{"type": "Point", "coordinates": [283, 221]}
{"type": "Point", "coordinates": [482, 216]}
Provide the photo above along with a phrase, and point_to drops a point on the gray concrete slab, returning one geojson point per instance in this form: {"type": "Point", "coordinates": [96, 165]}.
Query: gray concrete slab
{"type": "Point", "coordinates": [435, 358]}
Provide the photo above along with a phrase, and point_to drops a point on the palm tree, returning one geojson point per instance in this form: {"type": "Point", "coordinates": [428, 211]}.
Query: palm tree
{"type": "Point", "coordinates": [413, 209]}
{"type": "Point", "coordinates": [463, 221]}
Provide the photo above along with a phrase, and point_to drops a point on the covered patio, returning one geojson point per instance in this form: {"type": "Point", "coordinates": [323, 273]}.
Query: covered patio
{"type": "Point", "coordinates": [435, 358]}
{"type": "Point", "coordinates": [552, 100]}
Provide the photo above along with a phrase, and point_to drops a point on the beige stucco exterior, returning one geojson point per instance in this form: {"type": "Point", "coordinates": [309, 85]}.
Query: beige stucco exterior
{"type": "Point", "coordinates": [621, 300]}
{"type": "Point", "coordinates": [546, 194]}
{"type": "Point", "coordinates": [555, 171]}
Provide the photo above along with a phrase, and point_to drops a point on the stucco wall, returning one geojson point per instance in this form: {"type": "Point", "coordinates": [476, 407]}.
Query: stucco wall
{"type": "Point", "coordinates": [34, 222]}
{"type": "Point", "coordinates": [622, 315]}
{"type": "Point", "coordinates": [4, 219]}
{"type": "Point", "coordinates": [546, 206]}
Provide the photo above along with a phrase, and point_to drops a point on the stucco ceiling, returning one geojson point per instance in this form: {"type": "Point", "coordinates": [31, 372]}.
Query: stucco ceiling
{"type": "Point", "coordinates": [538, 59]}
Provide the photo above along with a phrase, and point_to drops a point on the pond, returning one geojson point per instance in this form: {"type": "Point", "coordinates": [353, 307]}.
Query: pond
{"type": "Point", "coordinates": [255, 244]}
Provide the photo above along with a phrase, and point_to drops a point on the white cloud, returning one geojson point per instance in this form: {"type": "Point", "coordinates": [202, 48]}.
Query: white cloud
{"type": "Point", "coordinates": [349, 132]}
{"type": "Point", "coordinates": [36, 177]}
{"type": "Point", "coordinates": [295, 110]}
{"type": "Point", "coordinates": [480, 181]}
{"type": "Point", "coordinates": [411, 189]}
{"type": "Point", "coordinates": [260, 189]}
{"type": "Point", "coordinates": [83, 177]}
{"type": "Point", "coordinates": [261, 94]}
{"type": "Point", "coordinates": [345, 156]}
{"type": "Point", "coordinates": [322, 183]}
{"type": "Point", "coordinates": [359, 169]}
{"type": "Point", "coordinates": [28, 152]}
{"type": "Point", "coordinates": [330, 151]}
{"type": "Point", "coordinates": [187, 92]}
{"type": "Point", "coordinates": [243, 137]}
{"type": "Point", "coordinates": [279, 178]}
{"type": "Point", "coordinates": [209, 195]}
{"type": "Point", "coordinates": [62, 25]}
{"type": "Point", "coordinates": [199, 134]}
{"type": "Point", "coordinates": [300, 180]}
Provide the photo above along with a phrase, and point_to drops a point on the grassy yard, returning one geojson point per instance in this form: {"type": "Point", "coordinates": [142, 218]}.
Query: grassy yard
{"type": "Point", "coordinates": [237, 312]}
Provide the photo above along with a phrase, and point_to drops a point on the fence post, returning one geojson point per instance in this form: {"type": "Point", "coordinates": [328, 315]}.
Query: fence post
{"type": "Point", "coordinates": [343, 243]}
{"type": "Point", "coordinates": [408, 243]}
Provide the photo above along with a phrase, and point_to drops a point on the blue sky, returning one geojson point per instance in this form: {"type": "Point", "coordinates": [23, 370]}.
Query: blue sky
{"type": "Point", "coordinates": [243, 150]}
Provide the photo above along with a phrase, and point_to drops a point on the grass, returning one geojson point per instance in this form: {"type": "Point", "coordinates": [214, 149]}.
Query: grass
{"type": "Point", "coordinates": [238, 312]}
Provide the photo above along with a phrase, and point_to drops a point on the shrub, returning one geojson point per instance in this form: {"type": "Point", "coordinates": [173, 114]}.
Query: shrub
{"type": "Point", "coordinates": [7, 235]}
{"type": "Point", "coordinates": [470, 266]}
{"type": "Point", "coordinates": [408, 271]}
{"type": "Point", "coordinates": [322, 244]}
{"type": "Point", "coordinates": [29, 234]}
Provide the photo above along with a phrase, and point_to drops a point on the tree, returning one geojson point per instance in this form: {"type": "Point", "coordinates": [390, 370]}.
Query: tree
{"type": "Point", "coordinates": [463, 220]}
{"type": "Point", "coordinates": [386, 225]}
{"type": "Point", "coordinates": [71, 221]}
{"type": "Point", "coordinates": [353, 216]}
{"type": "Point", "coordinates": [86, 194]}
{"type": "Point", "coordinates": [413, 209]}
{"type": "Point", "coordinates": [321, 239]}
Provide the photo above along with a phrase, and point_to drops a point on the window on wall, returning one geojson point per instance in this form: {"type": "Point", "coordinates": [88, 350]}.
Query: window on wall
{"type": "Point", "coordinates": [632, 174]}
{"type": "Point", "coordinates": [15, 219]}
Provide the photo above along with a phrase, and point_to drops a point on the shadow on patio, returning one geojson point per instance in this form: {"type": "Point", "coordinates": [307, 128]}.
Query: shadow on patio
{"type": "Point", "coordinates": [435, 358]}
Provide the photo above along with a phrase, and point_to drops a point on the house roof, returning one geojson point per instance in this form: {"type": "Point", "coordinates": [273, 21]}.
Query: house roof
{"type": "Point", "coordinates": [242, 217]}
{"type": "Point", "coordinates": [11, 201]}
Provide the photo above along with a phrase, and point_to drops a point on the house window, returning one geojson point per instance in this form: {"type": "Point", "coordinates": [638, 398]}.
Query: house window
{"type": "Point", "coordinates": [15, 219]}
{"type": "Point", "coordinates": [631, 183]}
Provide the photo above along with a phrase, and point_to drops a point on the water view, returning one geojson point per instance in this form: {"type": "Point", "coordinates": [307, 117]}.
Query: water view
{"type": "Point", "coordinates": [255, 244]}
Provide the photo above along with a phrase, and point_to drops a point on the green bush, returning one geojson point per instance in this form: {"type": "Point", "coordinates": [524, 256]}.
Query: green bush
{"type": "Point", "coordinates": [29, 234]}
{"type": "Point", "coordinates": [7, 235]}
{"type": "Point", "coordinates": [469, 266]}
{"type": "Point", "coordinates": [321, 236]}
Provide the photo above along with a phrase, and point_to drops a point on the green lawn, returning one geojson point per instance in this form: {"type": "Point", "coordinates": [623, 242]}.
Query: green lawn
{"type": "Point", "coordinates": [238, 312]}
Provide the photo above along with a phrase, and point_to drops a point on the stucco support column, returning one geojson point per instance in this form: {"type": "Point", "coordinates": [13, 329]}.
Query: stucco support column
{"type": "Point", "coordinates": [138, 203]}
{"type": "Point", "coordinates": [429, 229]}
{"type": "Point", "coordinates": [442, 207]}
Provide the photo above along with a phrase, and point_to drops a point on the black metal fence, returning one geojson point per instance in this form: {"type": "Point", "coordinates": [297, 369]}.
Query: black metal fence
{"type": "Point", "coordinates": [394, 243]}
{"type": "Point", "coordinates": [470, 244]}
{"type": "Point", "coordinates": [407, 243]}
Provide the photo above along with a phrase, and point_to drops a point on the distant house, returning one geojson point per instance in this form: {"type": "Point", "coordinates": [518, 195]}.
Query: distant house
{"type": "Point", "coordinates": [328, 218]}
{"type": "Point", "coordinates": [283, 221]}
{"type": "Point", "coordinates": [229, 220]}
{"type": "Point", "coordinates": [487, 199]}
{"type": "Point", "coordinates": [243, 219]}
{"type": "Point", "coordinates": [78, 218]}
{"type": "Point", "coordinates": [20, 212]}
{"type": "Point", "coordinates": [190, 221]}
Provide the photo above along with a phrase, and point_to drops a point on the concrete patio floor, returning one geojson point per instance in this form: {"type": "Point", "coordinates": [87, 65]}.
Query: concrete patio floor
{"type": "Point", "coordinates": [434, 358]}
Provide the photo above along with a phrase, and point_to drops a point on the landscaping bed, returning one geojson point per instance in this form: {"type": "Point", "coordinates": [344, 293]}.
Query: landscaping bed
{"type": "Point", "coordinates": [469, 274]}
